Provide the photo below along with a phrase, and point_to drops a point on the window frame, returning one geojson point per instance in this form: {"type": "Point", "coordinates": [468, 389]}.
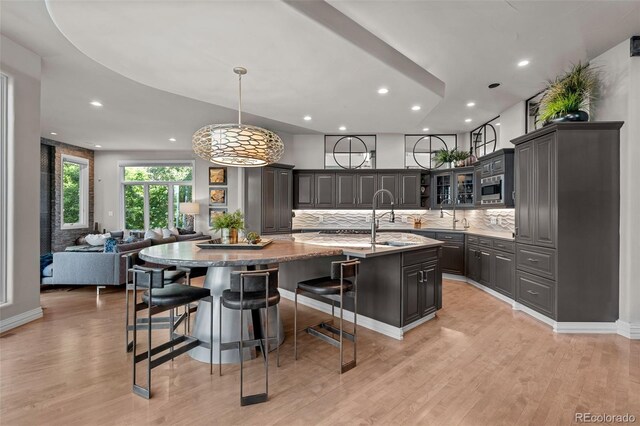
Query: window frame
{"type": "Point", "coordinates": [146, 184]}
{"type": "Point", "coordinates": [6, 119]}
{"type": "Point", "coordinates": [84, 192]}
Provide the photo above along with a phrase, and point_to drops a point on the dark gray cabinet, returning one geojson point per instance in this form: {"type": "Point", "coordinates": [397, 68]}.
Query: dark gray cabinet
{"type": "Point", "coordinates": [477, 187]}
{"type": "Point", "coordinates": [411, 293]}
{"type": "Point", "coordinates": [269, 199]}
{"type": "Point", "coordinates": [567, 221]}
{"type": "Point", "coordinates": [346, 190]}
{"type": "Point", "coordinates": [455, 185]}
{"type": "Point", "coordinates": [304, 190]}
{"type": "Point", "coordinates": [388, 181]}
{"type": "Point", "coordinates": [504, 273]}
{"type": "Point", "coordinates": [366, 186]}
{"type": "Point", "coordinates": [486, 273]}
{"type": "Point", "coordinates": [324, 190]}
{"type": "Point", "coordinates": [452, 260]}
{"type": "Point", "coordinates": [409, 190]}
{"type": "Point", "coordinates": [472, 262]}
{"type": "Point", "coordinates": [428, 288]}
{"type": "Point", "coordinates": [491, 262]}
{"type": "Point", "coordinates": [421, 285]}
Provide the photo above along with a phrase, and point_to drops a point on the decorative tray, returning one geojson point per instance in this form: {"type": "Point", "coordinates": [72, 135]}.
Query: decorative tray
{"type": "Point", "coordinates": [217, 244]}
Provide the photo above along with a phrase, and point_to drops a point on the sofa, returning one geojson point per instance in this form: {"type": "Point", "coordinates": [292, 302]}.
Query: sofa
{"type": "Point", "coordinates": [102, 269]}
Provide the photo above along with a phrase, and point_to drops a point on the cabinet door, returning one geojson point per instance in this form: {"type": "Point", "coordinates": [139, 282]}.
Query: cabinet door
{"type": "Point", "coordinates": [463, 185]}
{"type": "Point", "coordinates": [304, 190]}
{"type": "Point", "coordinates": [477, 186]}
{"type": "Point", "coordinates": [429, 288]}
{"type": "Point", "coordinates": [504, 277]}
{"type": "Point", "coordinates": [284, 200]}
{"type": "Point", "coordinates": [325, 190]}
{"type": "Point", "coordinates": [269, 200]}
{"type": "Point", "coordinates": [524, 192]}
{"type": "Point", "coordinates": [486, 168]}
{"type": "Point", "coordinates": [345, 190]}
{"type": "Point", "coordinates": [409, 190]}
{"type": "Point", "coordinates": [366, 186]}
{"type": "Point", "coordinates": [472, 263]}
{"type": "Point", "coordinates": [442, 190]}
{"type": "Point", "coordinates": [485, 268]}
{"type": "Point", "coordinates": [544, 177]}
{"type": "Point", "coordinates": [411, 293]}
{"type": "Point", "coordinates": [497, 165]}
{"type": "Point", "coordinates": [387, 181]}
{"type": "Point", "coordinates": [453, 258]}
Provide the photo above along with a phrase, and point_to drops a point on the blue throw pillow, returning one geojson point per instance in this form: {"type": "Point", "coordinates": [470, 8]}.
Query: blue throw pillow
{"type": "Point", "coordinates": [110, 245]}
{"type": "Point", "coordinates": [45, 260]}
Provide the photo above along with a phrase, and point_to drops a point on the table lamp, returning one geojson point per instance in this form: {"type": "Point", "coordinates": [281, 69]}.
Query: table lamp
{"type": "Point", "coordinates": [190, 210]}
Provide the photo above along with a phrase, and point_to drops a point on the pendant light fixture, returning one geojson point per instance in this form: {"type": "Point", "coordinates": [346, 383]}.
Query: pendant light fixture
{"type": "Point", "coordinates": [238, 144]}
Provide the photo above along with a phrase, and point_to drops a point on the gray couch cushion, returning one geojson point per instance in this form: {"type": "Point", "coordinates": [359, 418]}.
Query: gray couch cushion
{"type": "Point", "coordinates": [188, 237]}
{"type": "Point", "coordinates": [138, 245]}
{"type": "Point", "coordinates": [156, 241]}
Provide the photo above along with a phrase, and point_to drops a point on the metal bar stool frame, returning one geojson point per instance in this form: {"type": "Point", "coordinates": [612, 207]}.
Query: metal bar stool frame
{"type": "Point", "coordinates": [187, 342]}
{"type": "Point", "coordinates": [263, 342]}
{"type": "Point", "coordinates": [314, 330]}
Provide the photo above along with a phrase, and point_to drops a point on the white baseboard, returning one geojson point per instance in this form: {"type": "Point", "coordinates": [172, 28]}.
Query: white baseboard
{"type": "Point", "coordinates": [20, 319]}
{"type": "Point", "coordinates": [630, 331]}
{"type": "Point", "coordinates": [366, 322]}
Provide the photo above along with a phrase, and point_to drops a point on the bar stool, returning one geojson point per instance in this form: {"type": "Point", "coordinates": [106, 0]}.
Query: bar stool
{"type": "Point", "coordinates": [251, 290]}
{"type": "Point", "coordinates": [170, 277]}
{"type": "Point", "coordinates": [335, 288]}
{"type": "Point", "coordinates": [160, 297]}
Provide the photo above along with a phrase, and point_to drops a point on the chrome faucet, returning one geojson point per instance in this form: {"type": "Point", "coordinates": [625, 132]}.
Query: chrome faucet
{"type": "Point", "coordinates": [465, 223]}
{"type": "Point", "coordinates": [375, 220]}
{"type": "Point", "coordinates": [442, 212]}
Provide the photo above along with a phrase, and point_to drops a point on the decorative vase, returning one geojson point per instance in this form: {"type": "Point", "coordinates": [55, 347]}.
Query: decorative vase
{"type": "Point", "coordinates": [233, 236]}
{"type": "Point", "coordinates": [571, 116]}
{"type": "Point", "coordinates": [226, 236]}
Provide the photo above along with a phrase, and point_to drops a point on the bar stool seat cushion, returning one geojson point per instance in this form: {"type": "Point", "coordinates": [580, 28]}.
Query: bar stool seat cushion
{"type": "Point", "coordinates": [172, 276]}
{"type": "Point", "coordinates": [175, 295]}
{"type": "Point", "coordinates": [324, 286]}
{"type": "Point", "coordinates": [251, 300]}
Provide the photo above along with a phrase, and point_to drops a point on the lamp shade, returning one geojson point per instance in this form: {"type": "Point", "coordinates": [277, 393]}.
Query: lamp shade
{"type": "Point", "coordinates": [190, 208]}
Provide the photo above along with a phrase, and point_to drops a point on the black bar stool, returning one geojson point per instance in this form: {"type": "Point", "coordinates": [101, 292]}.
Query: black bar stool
{"type": "Point", "coordinates": [335, 288]}
{"type": "Point", "coordinates": [251, 290]}
{"type": "Point", "coordinates": [170, 277]}
{"type": "Point", "coordinates": [160, 297]}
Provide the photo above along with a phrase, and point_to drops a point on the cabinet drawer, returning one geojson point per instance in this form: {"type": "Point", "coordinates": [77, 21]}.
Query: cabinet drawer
{"type": "Point", "coordinates": [427, 234]}
{"type": "Point", "coordinates": [536, 260]}
{"type": "Point", "coordinates": [472, 239]}
{"type": "Point", "coordinates": [485, 242]}
{"type": "Point", "coordinates": [508, 246]}
{"type": "Point", "coordinates": [443, 236]}
{"type": "Point", "coordinates": [537, 293]}
{"type": "Point", "coordinates": [419, 256]}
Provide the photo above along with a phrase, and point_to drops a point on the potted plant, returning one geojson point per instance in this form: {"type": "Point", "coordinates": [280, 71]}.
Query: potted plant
{"type": "Point", "coordinates": [444, 156]}
{"type": "Point", "coordinates": [460, 157]}
{"type": "Point", "coordinates": [569, 96]}
{"type": "Point", "coordinates": [229, 224]}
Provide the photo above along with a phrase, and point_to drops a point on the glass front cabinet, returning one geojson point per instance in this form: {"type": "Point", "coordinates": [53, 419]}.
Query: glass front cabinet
{"type": "Point", "coordinates": [453, 185]}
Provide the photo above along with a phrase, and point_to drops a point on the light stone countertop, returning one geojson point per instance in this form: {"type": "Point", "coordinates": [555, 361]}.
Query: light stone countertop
{"type": "Point", "coordinates": [504, 235]}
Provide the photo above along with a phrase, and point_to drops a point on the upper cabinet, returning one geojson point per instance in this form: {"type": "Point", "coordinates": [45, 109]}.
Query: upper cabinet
{"type": "Point", "coordinates": [453, 186]}
{"type": "Point", "coordinates": [269, 199]}
{"type": "Point", "coordinates": [354, 189]}
{"type": "Point", "coordinates": [495, 183]}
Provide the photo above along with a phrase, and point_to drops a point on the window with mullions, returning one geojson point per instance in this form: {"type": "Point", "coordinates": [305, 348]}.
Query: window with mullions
{"type": "Point", "coordinates": [486, 138]}
{"type": "Point", "coordinates": [75, 192]}
{"type": "Point", "coordinates": [152, 194]}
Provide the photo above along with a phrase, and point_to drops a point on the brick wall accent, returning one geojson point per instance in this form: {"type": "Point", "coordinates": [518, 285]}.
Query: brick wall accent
{"type": "Point", "coordinates": [62, 238]}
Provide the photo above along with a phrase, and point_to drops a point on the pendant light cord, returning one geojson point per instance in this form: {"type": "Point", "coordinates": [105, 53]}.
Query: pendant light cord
{"type": "Point", "coordinates": [239, 98]}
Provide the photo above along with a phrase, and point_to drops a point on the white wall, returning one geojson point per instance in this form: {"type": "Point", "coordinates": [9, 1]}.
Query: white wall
{"type": "Point", "coordinates": [512, 124]}
{"type": "Point", "coordinates": [620, 100]}
{"type": "Point", "coordinates": [23, 68]}
{"type": "Point", "coordinates": [107, 185]}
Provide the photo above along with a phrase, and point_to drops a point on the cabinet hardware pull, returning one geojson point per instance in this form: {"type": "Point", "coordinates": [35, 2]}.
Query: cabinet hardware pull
{"type": "Point", "coordinates": [535, 293]}
{"type": "Point", "coordinates": [425, 276]}
{"type": "Point", "coordinates": [354, 200]}
{"type": "Point", "coordinates": [420, 276]}
{"type": "Point", "coordinates": [532, 260]}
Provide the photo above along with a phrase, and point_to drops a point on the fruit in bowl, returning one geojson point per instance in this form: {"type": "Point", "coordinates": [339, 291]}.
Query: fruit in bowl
{"type": "Point", "coordinates": [253, 238]}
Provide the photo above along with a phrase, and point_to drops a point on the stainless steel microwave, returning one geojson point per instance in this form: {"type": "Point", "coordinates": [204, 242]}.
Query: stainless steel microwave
{"type": "Point", "coordinates": [492, 190]}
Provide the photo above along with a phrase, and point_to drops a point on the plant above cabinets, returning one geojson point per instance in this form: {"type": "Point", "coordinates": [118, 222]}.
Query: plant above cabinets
{"type": "Point", "coordinates": [451, 158]}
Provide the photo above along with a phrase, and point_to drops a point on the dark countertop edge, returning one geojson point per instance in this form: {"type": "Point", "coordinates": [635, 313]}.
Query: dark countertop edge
{"type": "Point", "coordinates": [487, 234]}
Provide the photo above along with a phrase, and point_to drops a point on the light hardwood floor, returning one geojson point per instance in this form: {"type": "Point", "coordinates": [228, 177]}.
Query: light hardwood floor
{"type": "Point", "coordinates": [477, 363]}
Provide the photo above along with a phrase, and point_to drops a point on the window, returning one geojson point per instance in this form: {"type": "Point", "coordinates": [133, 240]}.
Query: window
{"type": "Point", "coordinates": [152, 193]}
{"type": "Point", "coordinates": [4, 189]}
{"type": "Point", "coordinates": [75, 192]}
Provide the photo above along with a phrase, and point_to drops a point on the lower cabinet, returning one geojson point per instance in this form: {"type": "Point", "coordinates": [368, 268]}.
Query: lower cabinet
{"type": "Point", "coordinates": [421, 287]}
{"type": "Point", "coordinates": [492, 268]}
{"type": "Point", "coordinates": [453, 254]}
{"type": "Point", "coordinates": [504, 273]}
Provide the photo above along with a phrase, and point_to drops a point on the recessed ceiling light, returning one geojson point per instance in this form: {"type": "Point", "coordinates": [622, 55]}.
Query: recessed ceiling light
{"type": "Point", "coordinates": [497, 124]}
{"type": "Point", "coordinates": [98, 146]}
{"type": "Point", "coordinates": [468, 120]}
{"type": "Point", "coordinates": [383, 91]}
{"type": "Point", "coordinates": [342, 128]}
{"type": "Point", "coordinates": [96, 103]}
{"type": "Point", "coordinates": [523, 63]}
{"type": "Point", "coordinates": [53, 133]}
{"type": "Point", "coordinates": [471, 104]}
{"type": "Point", "coordinates": [494, 85]}
{"type": "Point", "coordinates": [307, 117]}
{"type": "Point", "coordinates": [415, 108]}
{"type": "Point", "coordinates": [426, 129]}
{"type": "Point", "coordinates": [172, 139]}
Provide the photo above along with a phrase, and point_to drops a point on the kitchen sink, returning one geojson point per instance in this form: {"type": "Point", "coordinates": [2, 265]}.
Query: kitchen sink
{"type": "Point", "coordinates": [396, 243]}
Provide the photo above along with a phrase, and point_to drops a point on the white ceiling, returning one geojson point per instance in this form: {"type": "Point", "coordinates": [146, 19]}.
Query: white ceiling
{"type": "Point", "coordinates": [299, 63]}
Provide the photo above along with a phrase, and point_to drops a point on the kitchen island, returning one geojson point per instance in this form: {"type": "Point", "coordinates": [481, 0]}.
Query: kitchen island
{"type": "Point", "coordinates": [400, 282]}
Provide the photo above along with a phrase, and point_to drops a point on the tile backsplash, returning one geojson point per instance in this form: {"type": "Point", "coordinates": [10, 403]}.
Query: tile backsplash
{"type": "Point", "coordinates": [488, 220]}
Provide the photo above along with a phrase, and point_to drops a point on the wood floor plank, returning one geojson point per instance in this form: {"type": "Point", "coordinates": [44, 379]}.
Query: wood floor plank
{"type": "Point", "coordinates": [477, 363]}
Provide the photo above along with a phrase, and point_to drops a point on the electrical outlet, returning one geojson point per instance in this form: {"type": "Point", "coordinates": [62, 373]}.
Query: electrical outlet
{"type": "Point", "coordinates": [500, 221]}
{"type": "Point", "coordinates": [110, 213]}
{"type": "Point", "coordinates": [493, 220]}
{"type": "Point", "coordinates": [367, 219]}
{"type": "Point", "coordinates": [320, 219]}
